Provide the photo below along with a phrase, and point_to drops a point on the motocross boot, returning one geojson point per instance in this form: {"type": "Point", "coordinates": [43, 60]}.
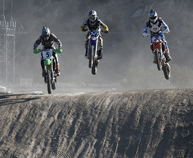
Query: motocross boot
{"type": "Point", "coordinates": [86, 54]}
{"type": "Point", "coordinates": [100, 55]}
{"type": "Point", "coordinates": [154, 60]}
{"type": "Point", "coordinates": [57, 69]}
{"type": "Point", "coordinates": [167, 55]}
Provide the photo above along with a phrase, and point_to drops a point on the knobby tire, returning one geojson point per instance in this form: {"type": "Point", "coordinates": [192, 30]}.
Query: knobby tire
{"type": "Point", "coordinates": [158, 60]}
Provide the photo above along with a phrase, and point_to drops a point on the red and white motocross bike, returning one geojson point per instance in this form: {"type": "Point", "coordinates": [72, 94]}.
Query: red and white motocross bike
{"type": "Point", "coordinates": [158, 48]}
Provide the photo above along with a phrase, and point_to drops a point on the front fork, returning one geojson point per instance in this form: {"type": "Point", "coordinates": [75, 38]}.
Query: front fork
{"type": "Point", "coordinates": [96, 50]}
{"type": "Point", "coordinates": [161, 57]}
{"type": "Point", "coordinates": [49, 68]}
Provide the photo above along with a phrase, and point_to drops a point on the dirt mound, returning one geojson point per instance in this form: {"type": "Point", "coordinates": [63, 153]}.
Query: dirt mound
{"type": "Point", "coordinates": [117, 124]}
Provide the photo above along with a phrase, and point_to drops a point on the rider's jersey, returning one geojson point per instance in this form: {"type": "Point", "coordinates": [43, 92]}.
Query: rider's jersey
{"type": "Point", "coordinates": [49, 43]}
{"type": "Point", "coordinates": [96, 25]}
{"type": "Point", "coordinates": [158, 27]}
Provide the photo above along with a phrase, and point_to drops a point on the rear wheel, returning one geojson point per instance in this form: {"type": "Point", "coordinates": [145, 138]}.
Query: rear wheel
{"type": "Point", "coordinates": [167, 71]}
{"type": "Point", "coordinates": [158, 59]}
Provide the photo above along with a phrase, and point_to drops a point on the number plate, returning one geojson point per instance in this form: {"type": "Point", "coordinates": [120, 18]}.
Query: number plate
{"type": "Point", "coordinates": [47, 54]}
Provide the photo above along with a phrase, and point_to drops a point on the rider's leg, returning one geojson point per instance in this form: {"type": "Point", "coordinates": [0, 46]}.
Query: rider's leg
{"type": "Point", "coordinates": [86, 48]}
{"type": "Point", "coordinates": [42, 66]}
{"type": "Point", "coordinates": [167, 53]}
{"type": "Point", "coordinates": [100, 51]}
{"type": "Point", "coordinates": [57, 64]}
{"type": "Point", "coordinates": [151, 46]}
{"type": "Point", "coordinates": [86, 45]}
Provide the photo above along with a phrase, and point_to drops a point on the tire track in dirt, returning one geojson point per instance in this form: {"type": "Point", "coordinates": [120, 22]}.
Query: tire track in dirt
{"type": "Point", "coordinates": [141, 123]}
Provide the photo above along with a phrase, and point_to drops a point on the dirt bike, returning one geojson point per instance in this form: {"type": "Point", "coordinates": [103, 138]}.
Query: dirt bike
{"type": "Point", "coordinates": [93, 49]}
{"type": "Point", "coordinates": [158, 48]}
{"type": "Point", "coordinates": [50, 77]}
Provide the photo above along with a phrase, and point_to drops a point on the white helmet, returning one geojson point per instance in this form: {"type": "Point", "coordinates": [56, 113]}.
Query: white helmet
{"type": "Point", "coordinates": [92, 15]}
{"type": "Point", "coordinates": [45, 33]}
{"type": "Point", "coordinates": [153, 16]}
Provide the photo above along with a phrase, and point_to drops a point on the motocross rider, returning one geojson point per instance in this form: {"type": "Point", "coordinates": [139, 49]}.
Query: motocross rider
{"type": "Point", "coordinates": [157, 27]}
{"type": "Point", "coordinates": [47, 40]}
{"type": "Point", "coordinates": [93, 23]}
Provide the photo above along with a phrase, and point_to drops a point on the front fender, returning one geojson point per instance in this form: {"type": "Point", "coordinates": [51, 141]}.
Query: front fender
{"type": "Point", "coordinates": [47, 62]}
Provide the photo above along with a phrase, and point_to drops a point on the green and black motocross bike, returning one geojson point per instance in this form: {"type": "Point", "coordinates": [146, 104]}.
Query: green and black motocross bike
{"type": "Point", "coordinates": [50, 77]}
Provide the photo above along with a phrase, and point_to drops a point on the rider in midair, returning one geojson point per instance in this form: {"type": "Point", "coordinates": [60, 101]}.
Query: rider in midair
{"type": "Point", "coordinates": [93, 23]}
{"type": "Point", "coordinates": [157, 26]}
{"type": "Point", "coordinates": [47, 40]}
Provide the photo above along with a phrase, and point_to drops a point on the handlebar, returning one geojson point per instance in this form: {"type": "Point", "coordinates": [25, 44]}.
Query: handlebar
{"type": "Point", "coordinates": [36, 51]}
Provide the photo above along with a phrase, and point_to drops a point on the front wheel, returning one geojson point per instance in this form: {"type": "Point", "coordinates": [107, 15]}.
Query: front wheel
{"type": "Point", "coordinates": [49, 81]}
{"type": "Point", "coordinates": [167, 71]}
{"type": "Point", "coordinates": [95, 67]}
{"type": "Point", "coordinates": [158, 59]}
{"type": "Point", "coordinates": [90, 54]}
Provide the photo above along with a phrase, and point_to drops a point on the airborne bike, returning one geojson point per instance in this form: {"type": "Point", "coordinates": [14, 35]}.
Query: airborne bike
{"type": "Point", "coordinates": [158, 47]}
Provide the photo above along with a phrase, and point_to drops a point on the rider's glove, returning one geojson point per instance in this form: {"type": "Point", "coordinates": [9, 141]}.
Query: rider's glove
{"type": "Point", "coordinates": [59, 50]}
{"type": "Point", "coordinates": [106, 31]}
{"type": "Point", "coordinates": [166, 31]}
{"type": "Point", "coordinates": [85, 29]}
{"type": "Point", "coordinates": [145, 34]}
{"type": "Point", "coordinates": [36, 51]}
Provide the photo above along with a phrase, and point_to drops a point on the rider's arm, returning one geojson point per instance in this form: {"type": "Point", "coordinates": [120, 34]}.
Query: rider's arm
{"type": "Point", "coordinates": [165, 26]}
{"type": "Point", "coordinates": [103, 25]}
{"type": "Point", "coordinates": [37, 42]}
{"type": "Point", "coordinates": [55, 39]}
{"type": "Point", "coordinates": [84, 27]}
{"type": "Point", "coordinates": [145, 29]}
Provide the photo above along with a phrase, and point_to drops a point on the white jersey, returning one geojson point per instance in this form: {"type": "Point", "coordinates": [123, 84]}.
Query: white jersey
{"type": "Point", "coordinates": [158, 27]}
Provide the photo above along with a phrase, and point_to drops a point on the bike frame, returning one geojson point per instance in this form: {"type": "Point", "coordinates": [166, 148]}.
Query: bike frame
{"type": "Point", "coordinates": [158, 44]}
{"type": "Point", "coordinates": [48, 58]}
{"type": "Point", "coordinates": [92, 50]}
{"type": "Point", "coordinates": [94, 41]}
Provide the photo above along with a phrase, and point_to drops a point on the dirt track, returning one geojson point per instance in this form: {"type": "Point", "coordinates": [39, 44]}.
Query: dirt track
{"type": "Point", "coordinates": [117, 124]}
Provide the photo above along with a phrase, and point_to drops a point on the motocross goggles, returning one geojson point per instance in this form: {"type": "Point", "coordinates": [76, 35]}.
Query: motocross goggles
{"type": "Point", "coordinates": [92, 18]}
{"type": "Point", "coordinates": [153, 17]}
{"type": "Point", "coordinates": [46, 37]}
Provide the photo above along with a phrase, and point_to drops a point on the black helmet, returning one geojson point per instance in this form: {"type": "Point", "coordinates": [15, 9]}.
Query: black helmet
{"type": "Point", "coordinates": [153, 16]}
{"type": "Point", "coordinates": [92, 15]}
{"type": "Point", "coordinates": [45, 33]}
